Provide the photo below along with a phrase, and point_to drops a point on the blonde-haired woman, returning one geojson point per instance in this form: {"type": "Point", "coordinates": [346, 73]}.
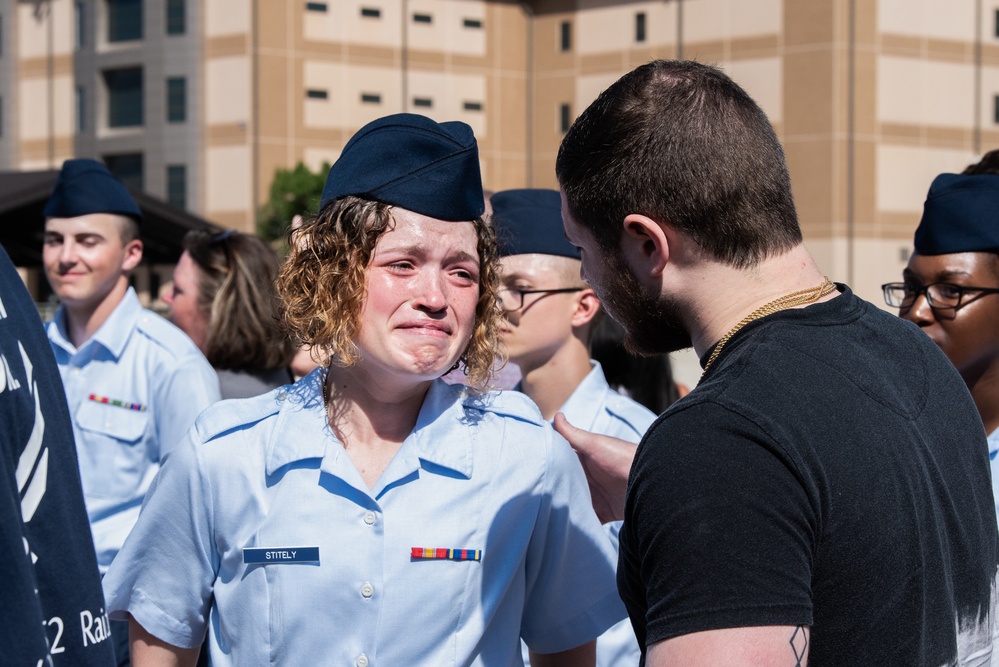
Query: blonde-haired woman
{"type": "Point", "coordinates": [372, 514]}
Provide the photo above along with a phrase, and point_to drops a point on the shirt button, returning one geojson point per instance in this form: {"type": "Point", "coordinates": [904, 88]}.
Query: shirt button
{"type": "Point", "coordinates": [76, 372]}
{"type": "Point", "coordinates": [362, 661]}
{"type": "Point", "coordinates": [369, 518]}
{"type": "Point", "coordinates": [367, 590]}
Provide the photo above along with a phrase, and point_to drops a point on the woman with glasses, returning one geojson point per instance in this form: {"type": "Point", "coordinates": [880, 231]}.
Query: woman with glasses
{"type": "Point", "coordinates": [223, 297]}
{"type": "Point", "coordinates": [950, 288]}
{"type": "Point", "coordinates": [371, 514]}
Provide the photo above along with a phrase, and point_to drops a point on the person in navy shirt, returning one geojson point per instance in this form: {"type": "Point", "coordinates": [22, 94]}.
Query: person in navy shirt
{"type": "Point", "coordinates": [52, 608]}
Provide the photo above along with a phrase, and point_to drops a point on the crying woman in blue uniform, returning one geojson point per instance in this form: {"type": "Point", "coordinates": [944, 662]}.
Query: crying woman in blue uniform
{"type": "Point", "coordinates": [371, 514]}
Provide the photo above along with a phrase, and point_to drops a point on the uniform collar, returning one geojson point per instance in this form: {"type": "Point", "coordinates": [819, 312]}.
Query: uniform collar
{"type": "Point", "coordinates": [580, 408]}
{"type": "Point", "coordinates": [442, 436]}
{"type": "Point", "coordinates": [113, 335]}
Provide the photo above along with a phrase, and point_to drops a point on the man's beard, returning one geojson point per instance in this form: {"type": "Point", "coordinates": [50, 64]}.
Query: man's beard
{"type": "Point", "coordinates": [651, 323]}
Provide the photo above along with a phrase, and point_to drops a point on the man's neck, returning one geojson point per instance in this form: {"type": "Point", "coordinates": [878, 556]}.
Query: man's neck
{"type": "Point", "coordinates": [551, 384]}
{"type": "Point", "coordinates": [83, 320]}
{"type": "Point", "coordinates": [720, 295]}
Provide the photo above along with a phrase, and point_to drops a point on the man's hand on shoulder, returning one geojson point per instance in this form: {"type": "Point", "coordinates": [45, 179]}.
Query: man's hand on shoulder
{"type": "Point", "coordinates": [606, 462]}
{"type": "Point", "coordinates": [776, 645]}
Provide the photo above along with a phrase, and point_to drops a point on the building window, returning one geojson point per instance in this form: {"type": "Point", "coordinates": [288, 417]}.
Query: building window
{"type": "Point", "coordinates": [423, 18]}
{"type": "Point", "coordinates": [80, 20]}
{"type": "Point", "coordinates": [424, 102]}
{"type": "Point", "coordinates": [640, 27]}
{"type": "Point", "coordinates": [371, 98]}
{"type": "Point", "coordinates": [472, 106]}
{"type": "Point", "coordinates": [997, 23]}
{"type": "Point", "coordinates": [124, 20]}
{"type": "Point", "coordinates": [316, 7]}
{"type": "Point", "coordinates": [995, 109]}
{"type": "Point", "coordinates": [81, 109]}
{"type": "Point", "coordinates": [176, 100]}
{"type": "Point", "coordinates": [124, 96]}
{"type": "Point", "coordinates": [315, 94]}
{"type": "Point", "coordinates": [176, 17]}
{"type": "Point", "coordinates": [177, 185]}
{"type": "Point", "coordinates": [371, 12]}
{"type": "Point", "coordinates": [564, 118]}
{"type": "Point", "coordinates": [472, 23]}
{"type": "Point", "coordinates": [565, 36]}
{"type": "Point", "coordinates": [127, 167]}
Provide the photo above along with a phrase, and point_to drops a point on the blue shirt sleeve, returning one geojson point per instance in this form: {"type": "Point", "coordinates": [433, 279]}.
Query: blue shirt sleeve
{"type": "Point", "coordinates": [571, 597]}
{"type": "Point", "coordinates": [167, 585]}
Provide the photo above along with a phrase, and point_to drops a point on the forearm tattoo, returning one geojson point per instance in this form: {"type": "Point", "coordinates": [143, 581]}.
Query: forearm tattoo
{"type": "Point", "coordinates": [799, 644]}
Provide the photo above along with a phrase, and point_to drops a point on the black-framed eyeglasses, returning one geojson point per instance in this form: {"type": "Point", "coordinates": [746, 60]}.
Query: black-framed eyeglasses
{"type": "Point", "coordinates": [940, 296]}
{"type": "Point", "coordinates": [511, 299]}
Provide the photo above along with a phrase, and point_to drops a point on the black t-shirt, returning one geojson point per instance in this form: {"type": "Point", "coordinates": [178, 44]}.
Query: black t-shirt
{"type": "Point", "coordinates": [830, 470]}
{"type": "Point", "coordinates": [51, 603]}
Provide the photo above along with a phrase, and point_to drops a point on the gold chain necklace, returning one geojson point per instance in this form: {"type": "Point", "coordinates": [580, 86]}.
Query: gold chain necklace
{"type": "Point", "coordinates": [800, 298]}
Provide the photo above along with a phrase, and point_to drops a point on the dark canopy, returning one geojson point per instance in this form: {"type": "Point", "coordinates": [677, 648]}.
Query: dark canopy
{"type": "Point", "coordinates": [23, 194]}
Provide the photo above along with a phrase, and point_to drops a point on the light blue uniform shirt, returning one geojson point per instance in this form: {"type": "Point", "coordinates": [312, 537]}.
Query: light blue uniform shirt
{"type": "Point", "coordinates": [597, 408]}
{"type": "Point", "coordinates": [481, 473]}
{"type": "Point", "coordinates": [156, 382]}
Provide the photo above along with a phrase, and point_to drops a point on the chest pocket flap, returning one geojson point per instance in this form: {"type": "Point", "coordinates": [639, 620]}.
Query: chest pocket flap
{"type": "Point", "coordinates": [113, 421]}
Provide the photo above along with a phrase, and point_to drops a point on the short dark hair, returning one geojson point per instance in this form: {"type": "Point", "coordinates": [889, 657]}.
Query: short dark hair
{"type": "Point", "coordinates": [989, 164]}
{"type": "Point", "coordinates": [236, 288]}
{"type": "Point", "coordinates": [680, 142]}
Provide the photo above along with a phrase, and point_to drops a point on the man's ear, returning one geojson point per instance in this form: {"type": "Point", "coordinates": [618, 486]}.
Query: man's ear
{"type": "Point", "coordinates": [645, 244]}
{"type": "Point", "coordinates": [587, 307]}
{"type": "Point", "coordinates": [133, 255]}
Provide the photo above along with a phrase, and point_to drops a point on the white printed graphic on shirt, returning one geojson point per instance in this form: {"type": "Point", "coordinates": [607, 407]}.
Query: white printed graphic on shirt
{"type": "Point", "coordinates": [34, 457]}
{"type": "Point", "coordinates": [978, 635]}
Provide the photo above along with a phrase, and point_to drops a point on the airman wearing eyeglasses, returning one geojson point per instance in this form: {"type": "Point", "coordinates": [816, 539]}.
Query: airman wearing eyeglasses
{"type": "Point", "coordinates": [550, 315]}
{"type": "Point", "coordinates": [950, 288]}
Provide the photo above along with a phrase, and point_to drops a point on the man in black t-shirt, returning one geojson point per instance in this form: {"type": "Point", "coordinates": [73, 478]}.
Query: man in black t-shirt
{"type": "Point", "coordinates": [823, 495]}
{"type": "Point", "coordinates": [51, 604]}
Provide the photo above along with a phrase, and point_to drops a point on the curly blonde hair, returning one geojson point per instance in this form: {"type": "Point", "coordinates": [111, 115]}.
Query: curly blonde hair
{"type": "Point", "coordinates": [322, 285]}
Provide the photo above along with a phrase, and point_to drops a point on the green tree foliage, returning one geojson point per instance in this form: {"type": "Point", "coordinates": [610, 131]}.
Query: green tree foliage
{"type": "Point", "coordinates": [293, 192]}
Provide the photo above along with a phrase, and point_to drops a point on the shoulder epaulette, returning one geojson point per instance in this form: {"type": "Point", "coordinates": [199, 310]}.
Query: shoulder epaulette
{"type": "Point", "coordinates": [227, 415]}
{"type": "Point", "coordinates": [164, 332]}
{"type": "Point", "coordinates": [506, 403]}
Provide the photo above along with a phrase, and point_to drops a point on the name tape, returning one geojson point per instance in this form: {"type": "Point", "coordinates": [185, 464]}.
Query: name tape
{"type": "Point", "coordinates": [280, 555]}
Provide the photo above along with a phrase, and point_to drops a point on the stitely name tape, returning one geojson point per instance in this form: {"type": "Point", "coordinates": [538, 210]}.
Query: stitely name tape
{"type": "Point", "coordinates": [280, 555]}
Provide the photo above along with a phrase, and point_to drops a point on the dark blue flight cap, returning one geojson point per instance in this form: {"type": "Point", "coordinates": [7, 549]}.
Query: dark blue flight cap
{"type": "Point", "coordinates": [86, 186]}
{"type": "Point", "coordinates": [413, 162]}
{"type": "Point", "coordinates": [961, 214]}
{"type": "Point", "coordinates": [530, 221]}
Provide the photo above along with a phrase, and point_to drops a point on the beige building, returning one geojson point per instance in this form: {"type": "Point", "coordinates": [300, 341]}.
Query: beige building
{"type": "Point", "coordinates": [200, 101]}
